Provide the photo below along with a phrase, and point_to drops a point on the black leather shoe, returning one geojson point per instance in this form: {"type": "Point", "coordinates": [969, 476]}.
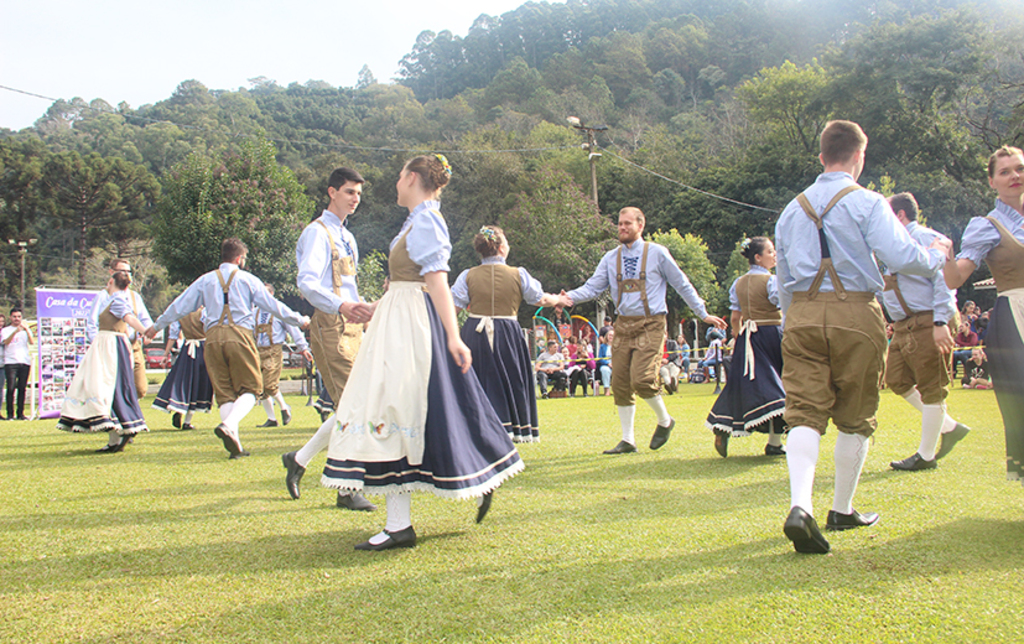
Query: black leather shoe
{"type": "Point", "coordinates": [622, 448]}
{"type": "Point", "coordinates": [661, 434]}
{"type": "Point", "coordinates": [722, 444]}
{"type": "Point", "coordinates": [187, 427]}
{"type": "Point", "coordinates": [269, 423]}
{"type": "Point", "coordinates": [355, 502]}
{"type": "Point", "coordinates": [230, 444]}
{"type": "Point", "coordinates": [294, 475]}
{"type": "Point", "coordinates": [802, 530]}
{"type": "Point", "coordinates": [950, 439]}
{"type": "Point", "coordinates": [485, 505]}
{"type": "Point", "coordinates": [176, 420]}
{"type": "Point", "coordinates": [109, 449]}
{"type": "Point", "coordinates": [855, 519]}
{"type": "Point", "coordinates": [774, 450]}
{"type": "Point", "coordinates": [324, 415]}
{"type": "Point", "coordinates": [401, 539]}
{"type": "Point", "coordinates": [286, 416]}
{"type": "Point", "coordinates": [241, 454]}
{"type": "Point", "coordinates": [914, 462]}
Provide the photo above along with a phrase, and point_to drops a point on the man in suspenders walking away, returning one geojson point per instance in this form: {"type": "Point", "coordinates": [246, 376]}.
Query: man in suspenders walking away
{"type": "Point", "coordinates": [833, 347]}
{"type": "Point", "coordinates": [638, 274]}
{"type": "Point", "coordinates": [327, 256]}
{"type": "Point", "coordinates": [230, 296]}
{"type": "Point", "coordinates": [270, 336]}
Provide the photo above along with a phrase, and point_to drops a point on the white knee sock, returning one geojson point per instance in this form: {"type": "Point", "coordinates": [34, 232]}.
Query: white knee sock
{"type": "Point", "coordinates": [318, 443]}
{"type": "Point", "coordinates": [802, 458]}
{"type": "Point", "coordinates": [851, 452]}
{"type": "Point", "coordinates": [775, 440]}
{"type": "Point", "coordinates": [399, 516]}
{"type": "Point", "coordinates": [113, 438]}
{"type": "Point", "coordinates": [188, 417]}
{"type": "Point", "coordinates": [658, 405]}
{"type": "Point", "coordinates": [243, 405]}
{"type": "Point", "coordinates": [931, 424]}
{"type": "Point", "coordinates": [626, 415]}
{"type": "Point", "coordinates": [914, 398]}
{"type": "Point", "coordinates": [225, 410]}
{"type": "Point", "coordinates": [279, 397]}
{"type": "Point", "coordinates": [268, 406]}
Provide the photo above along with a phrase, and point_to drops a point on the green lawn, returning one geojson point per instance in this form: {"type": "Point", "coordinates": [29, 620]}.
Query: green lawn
{"type": "Point", "coordinates": [172, 542]}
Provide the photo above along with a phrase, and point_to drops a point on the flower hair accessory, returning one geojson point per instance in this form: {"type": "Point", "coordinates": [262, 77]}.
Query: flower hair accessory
{"type": "Point", "coordinates": [444, 163]}
{"type": "Point", "coordinates": [489, 233]}
{"type": "Point", "coordinates": [745, 244]}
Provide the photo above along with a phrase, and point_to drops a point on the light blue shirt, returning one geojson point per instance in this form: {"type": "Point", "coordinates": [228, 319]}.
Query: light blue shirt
{"type": "Point", "coordinates": [428, 242]}
{"type": "Point", "coordinates": [773, 288]}
{"type": "Point", "coordinates": [245, 293]}
{"type": "Point", "coordinates": [861, 223]}
{"type": "Point", "coordinates": [279, 332]}
{"type": "Point", "coordinates": [532, 290]}
{"type": "Point", "coordinates": [92, 324]}
{"type": "Point", "coordinates": [921, 293]}
{"type": "Point", "coordinates": [313, 255]}
{"type": "Point", "coordinates": [981, 235]}
{"type": "Point", "coordinates": [662, 270]}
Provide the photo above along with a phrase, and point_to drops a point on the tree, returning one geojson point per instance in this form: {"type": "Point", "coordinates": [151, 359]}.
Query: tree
{"type": "Point", "coordinates": [789, 101]}
{"type": "Point", "coordinates": [243, 194]}
{"type": "Point", "coordinates": [105, 200]}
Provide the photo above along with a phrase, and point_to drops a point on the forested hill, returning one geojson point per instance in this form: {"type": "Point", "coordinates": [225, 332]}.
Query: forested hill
{"type": "Point", "coordinates": [719, 95]}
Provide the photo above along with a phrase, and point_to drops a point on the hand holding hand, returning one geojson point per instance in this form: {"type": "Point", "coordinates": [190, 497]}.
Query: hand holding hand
{"type": "Point", "coordinates": [563, 301]}
{"type": "Point", "coordinates": [150, 333]}
{"type": "Point", "coordinates": [943, 244]}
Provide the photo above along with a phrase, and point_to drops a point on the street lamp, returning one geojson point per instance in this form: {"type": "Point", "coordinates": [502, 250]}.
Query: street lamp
{"type": "Point", "coordinates": [591, 147]}
{"type": "Point", "coordinates": [22, 245]}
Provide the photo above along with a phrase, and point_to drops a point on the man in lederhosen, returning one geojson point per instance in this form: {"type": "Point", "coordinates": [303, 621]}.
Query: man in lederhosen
{"type": "Point", "coordinates": [327, 256]}
{"type": "Point", "coordinates": [638, 274]}
{"type": "Point", "coordinates": [139, 309]}
{"type": "Point", "coordinates": [230, 296]}
{"type": "Point", "coordinates": [833, 347]}
{"type": "Point", "coordinates": [270, 336]}
{"type": "Point", "coordinates": [917, 366]}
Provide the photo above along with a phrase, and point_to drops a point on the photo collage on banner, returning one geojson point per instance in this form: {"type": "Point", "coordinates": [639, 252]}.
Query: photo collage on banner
{"type": "Point", "coordinates": [62, 314]}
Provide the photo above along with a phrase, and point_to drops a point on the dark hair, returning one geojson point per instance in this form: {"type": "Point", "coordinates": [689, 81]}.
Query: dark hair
{"type": "Point", "coordinates": [487, 242]}
{"type": "Point", "coordinates": [122, 279]}
{"type": "Point", "coordinates": [753, 247]}
{"type": "Point", "coordinates": [840, 140]}
{"type": "Point", "coordinates": [15, 310]}
{"type": "Point", "coordinates": [431, 171]}
{"type": "Point", "coordinates": [232, 248]}
{"type": "Point", "coordinates": [905, 201]}
{"type": "Point", "coordinates": [341, 176]}
{"type": "Point", "coordinates": [1004, 151]}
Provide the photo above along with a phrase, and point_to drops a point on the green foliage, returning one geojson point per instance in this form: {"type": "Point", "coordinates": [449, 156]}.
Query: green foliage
{"type": "Point", "coordinates": [371, 275]}
{"type": "Point", "coordinates": [246, 194]}
{"type": "Point", "coordinates": [691, 254]}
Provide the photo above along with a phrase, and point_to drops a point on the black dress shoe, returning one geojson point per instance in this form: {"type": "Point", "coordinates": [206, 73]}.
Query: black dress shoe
{"type": "Point", "coordinates": [774, 450]}
{"type": "Point", "coordinates": [355, 502]}
{"type": "Point", "coordinates": [187, 426]}
{"type": "Point", "coordinates": [850, 521]}
{"type": "Point", "coordinates": [294, 475]}
{"type": "Point", "coordinates": [400, 539]}
{"type": "Point", "coordinates": [950, 439]}
{"type": "Point", "coordinates": [269, 423]}
{"type": "Point", "coordinates": [230, 444]}
{"type": "Point", "coordinates": [722, 444]}
{"type": "Point", "coordinates": [622, 448]}
{"type": "Point", "coordinates": [176, 420]}
{"type": "Point", "coordinates": [109, 449]}
{"type": "Point", "coordinates": [661, 434]}
{"type": "Point", "coordinates": [802, 530]}
{"type": "Point", "coordinates": [485, 505]}
{"type": "Point", "coordinates": [286, 416]}
{"type": "Point", "coordinates": [914, 462]}
{"type": "Point", "coordinates": [239, 455]}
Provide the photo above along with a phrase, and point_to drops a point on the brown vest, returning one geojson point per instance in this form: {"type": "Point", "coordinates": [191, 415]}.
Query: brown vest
{"type": "Point", "coordinates": [192, 326]}
{"type": "Point", "coordinates": [401, 268]}
{"type": "Point", "coordinates": [1006, 261]}
{"type": "Point", "coordinates": [494, 289]}
{"type": "Point", "coordinates": [109, 322]}
{"type": "Point", "coordinates": [752, 292]}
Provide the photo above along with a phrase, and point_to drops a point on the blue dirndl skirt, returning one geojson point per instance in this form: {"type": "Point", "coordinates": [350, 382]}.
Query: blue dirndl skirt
{"type": "Point", "coordinates": [1005, 350]}
{"type": "Point", "coordinates": [506, 374]}
{"type": "Point", "coordinates": [124, 415]}
{"type": "Point", "coordinates": [187, 386]}
{"type": "Point", "coordinates": [752, 405]}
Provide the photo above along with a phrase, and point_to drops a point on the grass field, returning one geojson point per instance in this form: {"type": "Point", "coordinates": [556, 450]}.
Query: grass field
{"type": "Point", "coordinates": [170, 541]}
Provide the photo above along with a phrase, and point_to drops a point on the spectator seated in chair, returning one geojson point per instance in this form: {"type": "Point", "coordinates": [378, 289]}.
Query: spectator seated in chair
{"type": "Point", "coordinates": [551, 368]}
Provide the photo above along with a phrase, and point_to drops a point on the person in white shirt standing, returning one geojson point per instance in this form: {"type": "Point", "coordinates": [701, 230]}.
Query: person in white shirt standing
{"type": "Point", "coordinates": [16, 337]}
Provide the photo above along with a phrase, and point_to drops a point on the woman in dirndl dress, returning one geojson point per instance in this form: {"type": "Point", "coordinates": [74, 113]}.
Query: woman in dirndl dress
{"type": "Point", "coordinates": [998, 239]}
{"type": "Point", "coordinates": [413, 415]}
{"type": "Point", "coordinates": [492, 293]}
{"type": "Point", "coordinates": [187, 388]}
{"type": "Point", "coordinates": [753, 399]}
{"type": "Point", "coordinates": [102, 395]}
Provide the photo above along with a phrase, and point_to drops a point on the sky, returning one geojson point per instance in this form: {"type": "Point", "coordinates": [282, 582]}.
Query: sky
{"type": "Point", "coordinates": [139, 52]}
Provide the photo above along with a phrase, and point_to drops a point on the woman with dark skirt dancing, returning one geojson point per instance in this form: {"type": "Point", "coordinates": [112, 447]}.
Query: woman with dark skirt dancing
{"type": "Point", "coordinates": [187, 387]}
{"type": "Point", "coordinates": [414, 416]}
{"type": "Point", "coordinates": [102, 395]}
{"type": "Point", "coordinates": [492, 293]}
{"type": "Point", "coordinates": [998, 239]}
{"type": "Point", "coordinates": [753, 399]}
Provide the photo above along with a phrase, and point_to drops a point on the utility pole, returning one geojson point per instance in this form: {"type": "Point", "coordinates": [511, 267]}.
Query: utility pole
{"type": "Point", "coordinates": [22, 245]}
{"type": "Point", "coordinates": [591, 147]}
